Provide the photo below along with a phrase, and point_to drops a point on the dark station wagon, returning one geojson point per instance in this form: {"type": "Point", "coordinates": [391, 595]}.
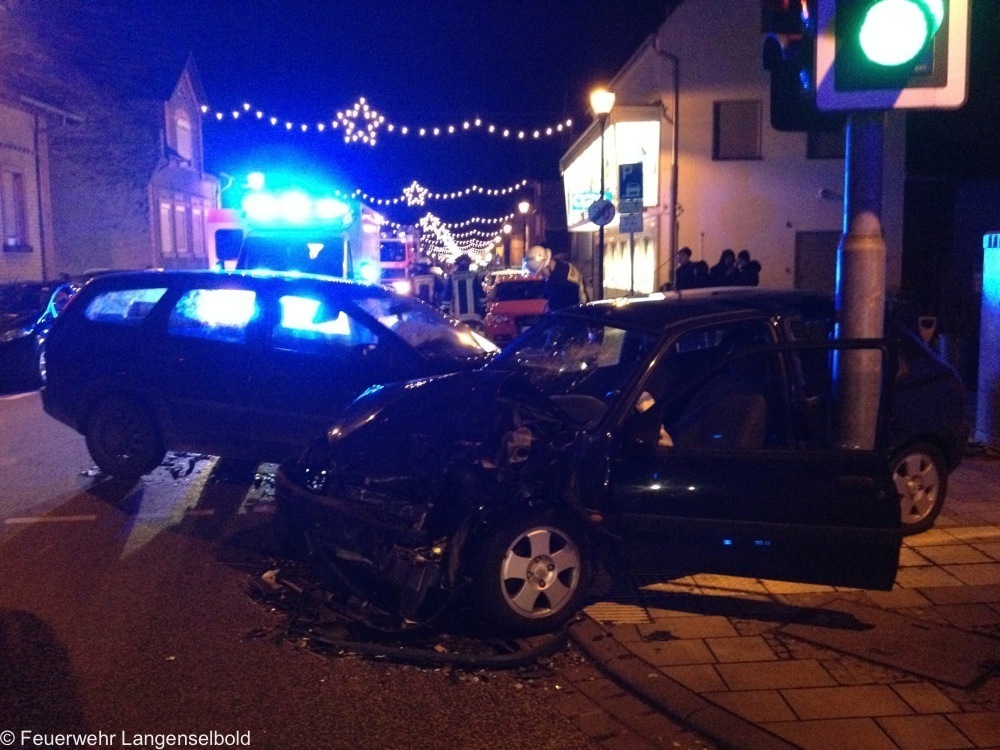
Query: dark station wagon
{"type": "Point", "coordinates": [242, 364]}
{"type": "Point", "coordinates": [706, 432]}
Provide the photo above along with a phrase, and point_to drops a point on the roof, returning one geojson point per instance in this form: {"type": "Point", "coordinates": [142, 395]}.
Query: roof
{"type": "Point", "coordinates": [658, 311]}
{"type": "Point", "coordinates": [54, 56]}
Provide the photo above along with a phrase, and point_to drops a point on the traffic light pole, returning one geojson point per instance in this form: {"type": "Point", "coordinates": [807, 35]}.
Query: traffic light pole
{"type": "Point", "coordinates": [861, 279]}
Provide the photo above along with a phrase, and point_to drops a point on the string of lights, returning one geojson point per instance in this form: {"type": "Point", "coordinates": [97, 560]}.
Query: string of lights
{"type": "Point", "coordinates": [416, 194]}
{"type": "Point", "coordinates": [362, 124]}
{"type": "Point", "coordinates": [435, 221]}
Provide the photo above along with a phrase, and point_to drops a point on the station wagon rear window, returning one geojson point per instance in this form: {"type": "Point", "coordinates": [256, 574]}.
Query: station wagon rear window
{"type": "Point", "coordinates": [126, 307]}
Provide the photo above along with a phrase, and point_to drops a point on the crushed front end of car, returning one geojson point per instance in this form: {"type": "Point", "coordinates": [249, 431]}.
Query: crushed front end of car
{"type": "Point", "coordinates": [387, 505]}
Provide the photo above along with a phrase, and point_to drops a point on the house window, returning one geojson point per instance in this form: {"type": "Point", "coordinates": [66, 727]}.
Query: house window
{"type": "Point", "coordinates": [825, 145]}
{"type": "Point", "coordinates": [185, 142]}
{"type": "Point", "coordinates": [181, 230]}
{"type": "Point", "coordinates": [166, 230]}
{"type": "Point", "coordinates": [13, 214]}
{"type": "Point", "coordinates": [198, 231]}
{"type": "Point", "coordinates": [736, 130]}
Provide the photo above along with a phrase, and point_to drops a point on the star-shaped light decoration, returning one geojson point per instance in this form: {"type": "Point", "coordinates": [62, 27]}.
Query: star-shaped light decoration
{"type": "Point", "coordinates": [415, 194]}
{"type": "Point", "coordinates": [360, 123]}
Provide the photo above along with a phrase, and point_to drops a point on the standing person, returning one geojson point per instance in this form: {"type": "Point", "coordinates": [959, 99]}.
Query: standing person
{"type": "Point", "coordinates": [426, 284]}
{"type": "Point", "coordinates": [690, 274]}
{"type": "Point", "coordinates": [747, 270]}
{"type": "Point", "coordinates": [723, 273]}
{"type": "Point", "coordinates": [563, 281]}
{"type": "Point", "coordinates": [463, 293]}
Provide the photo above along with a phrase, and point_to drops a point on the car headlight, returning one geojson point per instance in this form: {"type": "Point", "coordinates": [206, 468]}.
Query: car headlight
{"type": "Point", "coordinates": [14, 333]}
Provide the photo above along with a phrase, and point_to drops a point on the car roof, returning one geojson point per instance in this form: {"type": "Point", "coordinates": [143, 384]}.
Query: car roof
{"type": "Point", "coordinates": [216, 278]}
{"type": "Point", "coordinates": [658, 311]}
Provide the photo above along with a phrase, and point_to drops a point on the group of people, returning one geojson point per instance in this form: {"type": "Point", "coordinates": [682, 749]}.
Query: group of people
{"type": "Point", "coordinates": [733, 269]}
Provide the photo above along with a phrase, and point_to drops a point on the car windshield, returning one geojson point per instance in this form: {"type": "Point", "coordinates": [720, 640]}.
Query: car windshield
{"type": "Point", "coordinates": [507, 291]}
{"type": "Point", "coordinates": [425, 329]}
{"type": "Point", "coordinates": [565, 356]}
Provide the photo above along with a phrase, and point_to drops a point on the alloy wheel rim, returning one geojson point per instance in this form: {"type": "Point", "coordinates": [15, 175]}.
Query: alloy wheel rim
{"type": "Point", "coordinates": [918, 485]}
{"type": "Point", "coordinates": [540, 572]}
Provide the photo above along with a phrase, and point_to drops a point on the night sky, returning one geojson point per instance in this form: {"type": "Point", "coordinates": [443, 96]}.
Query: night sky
{"type": "Point", "coordinates": [519, 63]}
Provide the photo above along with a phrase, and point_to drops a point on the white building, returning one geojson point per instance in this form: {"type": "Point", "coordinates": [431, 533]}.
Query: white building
{"type": "Point", "coordinates": [739, 183]}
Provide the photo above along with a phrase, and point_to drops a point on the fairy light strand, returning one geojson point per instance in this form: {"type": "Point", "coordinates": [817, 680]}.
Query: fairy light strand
{"type": "Point", "coordinates": [360, 123]}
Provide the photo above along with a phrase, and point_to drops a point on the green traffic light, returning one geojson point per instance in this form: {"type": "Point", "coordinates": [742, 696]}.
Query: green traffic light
{"type": "Point", "coordinates": [894, 32]}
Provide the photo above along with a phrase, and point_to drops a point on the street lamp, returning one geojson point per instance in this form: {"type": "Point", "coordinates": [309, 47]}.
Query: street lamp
{"type": "Point", "coordinates": [507, 229]}
{"type": "Point", "coordinates": [524, 207]}
{"type": "Point", "coordinates": [601, 101]}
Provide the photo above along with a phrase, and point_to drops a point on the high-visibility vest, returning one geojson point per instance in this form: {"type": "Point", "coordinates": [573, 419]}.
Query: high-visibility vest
{"type": "Point", "coordinates": [463, 295]}
{"type": "Point", "coordinates": [423, 287]}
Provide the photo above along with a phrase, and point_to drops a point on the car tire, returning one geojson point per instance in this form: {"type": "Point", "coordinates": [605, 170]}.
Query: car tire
{"type": "Point", "coordinates": [123, 439]}
{"type": "Point", "coordinates": [921, 477]}
{"type": "Point", "coordinates": [532, 575]}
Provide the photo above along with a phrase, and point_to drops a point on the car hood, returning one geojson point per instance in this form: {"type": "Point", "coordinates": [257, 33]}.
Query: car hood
{"type": "Point", "coordinates": [428, 452]}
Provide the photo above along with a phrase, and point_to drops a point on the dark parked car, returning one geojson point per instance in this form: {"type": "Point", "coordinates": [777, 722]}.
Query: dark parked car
{"type": "Point", "coordinates": [700, 433]}
{"type": "Point", "coordinates": [27, 311]}
{"type": "Point", "coordinates": [242, 364]}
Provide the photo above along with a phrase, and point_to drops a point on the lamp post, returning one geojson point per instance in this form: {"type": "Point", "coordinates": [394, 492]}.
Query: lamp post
{"type": "Point", "coordinates": [674, 144]}
{"type": "Point", "coordinates": [507, 229]}
{"type": "Point", "coordinates": [601, 101]}
{"type": "Point", "coordinates": [524, 207]}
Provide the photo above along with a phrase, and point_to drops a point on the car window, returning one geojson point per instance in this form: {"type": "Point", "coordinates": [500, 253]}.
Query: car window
{"type": "Point", "coordinates": [716, 389]}
{"type": "Point", "coordinates": [213, 314]}
{"type": "Point", "coordinates": [123, 306]}
{"type": "Point", "coordinates": [423, 327]}
{"type": "Point", "coordinates": [308, 326]}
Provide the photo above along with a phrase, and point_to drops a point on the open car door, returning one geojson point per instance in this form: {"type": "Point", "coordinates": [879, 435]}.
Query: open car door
{"type": "Point", "coordinates": [757, 467]}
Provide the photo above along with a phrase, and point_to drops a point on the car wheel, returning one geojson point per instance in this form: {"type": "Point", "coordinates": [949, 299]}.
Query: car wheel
{"type": "Point", "coordinates": [921, 477]}
{"type": "Point", "coordinates": [123, 439]}
{"type": "Point", "coordinates": [532, 575]}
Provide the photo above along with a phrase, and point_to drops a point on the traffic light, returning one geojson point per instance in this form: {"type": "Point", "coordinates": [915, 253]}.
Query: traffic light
{"type": "Point", "coordinates": [789, 56]}
{"type": "Point", "coordinates": [891, 54]}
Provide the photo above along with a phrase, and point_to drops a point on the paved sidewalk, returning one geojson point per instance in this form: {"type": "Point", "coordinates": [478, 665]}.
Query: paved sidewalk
{"type": "Point", "coordinates": [764, 664]}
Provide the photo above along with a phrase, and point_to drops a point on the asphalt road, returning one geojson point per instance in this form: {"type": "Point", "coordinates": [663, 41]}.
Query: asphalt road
{"type": "Point", "coordinates": [124, 613]}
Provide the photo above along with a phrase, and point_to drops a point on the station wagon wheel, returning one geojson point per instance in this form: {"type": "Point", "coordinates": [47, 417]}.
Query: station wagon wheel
{"type": "Point", "coordinates": [921, 477]}
{"type": "Point", "coordinates": [532, 576]}
{"type": "Point", "coordinates": [123, 439]}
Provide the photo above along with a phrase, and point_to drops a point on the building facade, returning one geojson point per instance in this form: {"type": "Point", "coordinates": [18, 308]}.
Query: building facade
{"type": "Point", "coordinates": [101, 156]}
{"type": "Point", "coordinates": [697, 117]}
{"type": "Point", "coordinates": [25, 208]}
{"type": "Point", "coordinates": [129, 188]}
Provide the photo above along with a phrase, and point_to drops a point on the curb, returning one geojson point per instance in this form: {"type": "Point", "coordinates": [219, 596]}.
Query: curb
{"type": "Point", "coordinates": [667, 695]}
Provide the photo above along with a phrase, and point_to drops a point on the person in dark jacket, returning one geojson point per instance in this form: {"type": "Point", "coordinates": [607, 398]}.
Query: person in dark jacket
{"type": "Point", "coordinates": [690, 274]}
{"type": "Point", "coordinates": [723, 273]}
{"type": "Point", "coordinates": [747, 270]}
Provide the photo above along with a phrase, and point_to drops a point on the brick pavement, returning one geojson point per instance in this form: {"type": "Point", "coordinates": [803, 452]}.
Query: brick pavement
{"type": "Point", "coordinates": [717, 653]}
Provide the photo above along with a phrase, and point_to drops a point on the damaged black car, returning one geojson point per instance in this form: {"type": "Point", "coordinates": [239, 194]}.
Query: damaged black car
{"type": "Point", "coordinates": [629, 437]}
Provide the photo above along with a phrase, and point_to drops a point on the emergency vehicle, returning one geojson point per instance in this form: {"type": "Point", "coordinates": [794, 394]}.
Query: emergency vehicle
{"type": "Point", "coordinates": [297, 228]}
{"type": "Point", "coordinates": [397, 255]}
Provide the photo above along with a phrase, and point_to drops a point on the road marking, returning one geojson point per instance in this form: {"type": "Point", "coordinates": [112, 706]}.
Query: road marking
{"type": "Point", "coordinates": [47, 519]}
